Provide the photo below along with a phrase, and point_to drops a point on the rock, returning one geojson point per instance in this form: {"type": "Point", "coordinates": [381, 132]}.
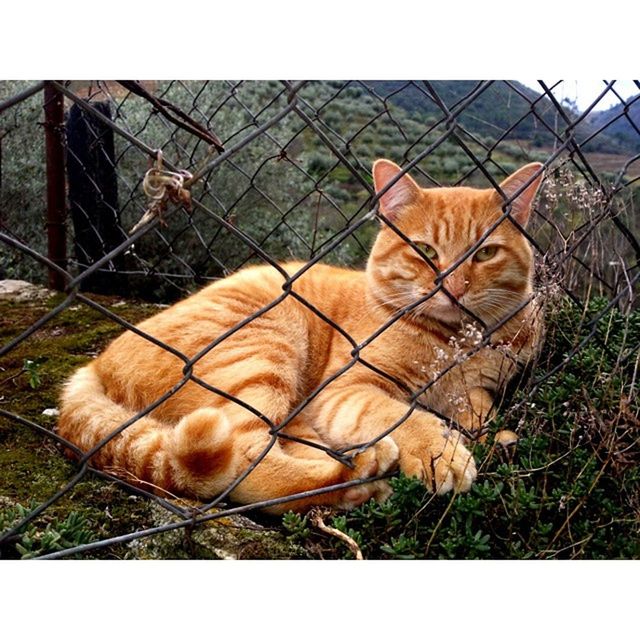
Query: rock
{"type": "Point", "coordinates": [232, 537]}
{"type": "Point", "coordinates": [22, 291]}
{"type": "Point", "coordinates": [51, 413]}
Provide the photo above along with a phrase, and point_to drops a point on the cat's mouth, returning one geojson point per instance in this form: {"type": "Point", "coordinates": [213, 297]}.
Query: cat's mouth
{"type": "Point", "coordinates": [455, 313]}
{"type": "Point", "coordinates": [450, 313]}
{"type": "Point", "coordinates": [469, 307]}
{"type": "Point", "coordinates": [444, 310]}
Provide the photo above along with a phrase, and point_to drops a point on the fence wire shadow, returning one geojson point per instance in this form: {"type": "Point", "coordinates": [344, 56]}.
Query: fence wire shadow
{"type": "Point", "coordinates": [241, 173]}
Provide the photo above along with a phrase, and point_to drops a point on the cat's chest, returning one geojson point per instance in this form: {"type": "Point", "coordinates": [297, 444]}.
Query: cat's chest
{"type": "Point", "coordinates": [436, 364]}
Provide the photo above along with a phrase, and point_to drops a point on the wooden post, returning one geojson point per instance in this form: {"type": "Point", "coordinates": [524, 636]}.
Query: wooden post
{"type": "Point", "coordinates": [56, 188]}
{"type": "Point", "coordinates": [93, 197]}
{"type": "Point", "coordinates": [2, 135]}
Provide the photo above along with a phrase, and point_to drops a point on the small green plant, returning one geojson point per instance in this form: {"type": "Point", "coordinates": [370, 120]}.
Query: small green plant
{"type": "Point", "coordinates": [31, 367]}
{"type": "Point", "coordinates": [297, 527]}
{"type": "Point", "coordinates": [34, 539]}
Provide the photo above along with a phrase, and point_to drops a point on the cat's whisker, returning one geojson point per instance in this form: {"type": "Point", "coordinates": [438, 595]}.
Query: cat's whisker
{"type": "Point", "coordinates": [496, 312]}
{"type": "Point", "coordinates": [397, 300]}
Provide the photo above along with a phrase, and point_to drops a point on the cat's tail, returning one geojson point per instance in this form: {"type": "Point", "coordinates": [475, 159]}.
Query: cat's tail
{"type": "Point", "coordinates": [194, 456]}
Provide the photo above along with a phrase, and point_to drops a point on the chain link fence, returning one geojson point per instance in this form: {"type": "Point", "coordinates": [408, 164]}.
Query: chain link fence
{"type": "Point", "coordinates": [269, 172]}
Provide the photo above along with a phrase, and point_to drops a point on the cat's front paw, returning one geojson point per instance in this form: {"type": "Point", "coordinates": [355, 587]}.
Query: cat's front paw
{"type": "Point", "coordinates": [376, 460]}
{"type": "Point", "coordinates": [442, 462]}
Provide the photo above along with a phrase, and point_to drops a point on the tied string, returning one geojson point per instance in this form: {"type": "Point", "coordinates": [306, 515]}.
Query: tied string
{"type": "Point", "coordinates": [161, 187]}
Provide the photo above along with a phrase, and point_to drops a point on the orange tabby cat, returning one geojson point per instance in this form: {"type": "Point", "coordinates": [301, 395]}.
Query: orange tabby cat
{"type": "Point", "coordinates": [197, 442]}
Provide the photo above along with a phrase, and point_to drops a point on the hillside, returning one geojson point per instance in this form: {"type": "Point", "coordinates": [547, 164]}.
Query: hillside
{"type": "Point", "coordinates": [624, 127]}
{"type": "Point", "coordinates": [505, 106]}
{"type": "Point", "coordinates": [502, 106]}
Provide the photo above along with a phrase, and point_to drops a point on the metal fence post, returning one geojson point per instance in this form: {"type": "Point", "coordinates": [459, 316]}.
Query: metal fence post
{"type": "Point", "coordinates": [56, 187]}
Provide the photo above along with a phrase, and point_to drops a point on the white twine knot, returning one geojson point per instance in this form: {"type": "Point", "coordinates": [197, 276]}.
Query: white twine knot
{"type": "Point", "coordinates": [162, 186]}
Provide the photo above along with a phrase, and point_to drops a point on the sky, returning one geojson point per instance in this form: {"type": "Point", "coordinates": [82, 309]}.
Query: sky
{"type": "Point", "coordinates": [584, 92]}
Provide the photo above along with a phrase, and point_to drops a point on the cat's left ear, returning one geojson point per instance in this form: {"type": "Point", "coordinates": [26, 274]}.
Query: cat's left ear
{"type": "Point", "coordinates": [521, 206]}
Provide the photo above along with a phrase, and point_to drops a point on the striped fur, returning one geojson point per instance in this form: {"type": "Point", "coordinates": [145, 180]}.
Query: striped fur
{"type": "Point", "coordinates": [197, 442]}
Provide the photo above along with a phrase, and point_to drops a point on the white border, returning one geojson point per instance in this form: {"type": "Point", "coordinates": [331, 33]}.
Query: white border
{"type": "Point", "coordinates": [455, 39]}
{"type": "Point", "coordinates": [307, 599]}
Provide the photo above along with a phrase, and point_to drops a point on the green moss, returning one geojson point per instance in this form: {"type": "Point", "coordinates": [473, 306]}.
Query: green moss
{"type": "Point", "coordinates": [32, 466]}
{"type": "Point", "coordinates": [67, 341]}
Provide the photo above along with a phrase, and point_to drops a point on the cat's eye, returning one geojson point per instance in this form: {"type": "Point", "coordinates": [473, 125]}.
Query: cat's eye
{"type": "Point", "coordinates": [485, 253]}
{"type": "Point", "coordinates": [427, 250]}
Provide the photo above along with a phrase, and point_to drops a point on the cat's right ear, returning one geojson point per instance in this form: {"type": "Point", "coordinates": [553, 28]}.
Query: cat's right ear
{"type": "Point", "coordinates": [400, 194]}
{"type": "Point", "coordinates": [531, 175]}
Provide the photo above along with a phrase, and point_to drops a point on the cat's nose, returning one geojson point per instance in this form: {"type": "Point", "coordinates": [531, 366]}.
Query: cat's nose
{"type": "Point", "coordinates": [456, 286]}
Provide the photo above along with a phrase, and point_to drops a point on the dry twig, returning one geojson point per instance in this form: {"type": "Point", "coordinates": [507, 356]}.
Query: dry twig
{"type": "Point", "coordinates": [316, 519]}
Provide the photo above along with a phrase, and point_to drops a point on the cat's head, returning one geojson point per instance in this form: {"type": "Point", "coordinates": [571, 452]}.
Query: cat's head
{"type": "Point", "coordinates": [445, 223]}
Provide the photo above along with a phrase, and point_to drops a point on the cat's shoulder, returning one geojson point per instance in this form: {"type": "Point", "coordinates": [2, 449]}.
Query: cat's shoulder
{"type": "Point", "coordinates": [298, 270]}
{"type": "Point", "coordinates": [268, 277]}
